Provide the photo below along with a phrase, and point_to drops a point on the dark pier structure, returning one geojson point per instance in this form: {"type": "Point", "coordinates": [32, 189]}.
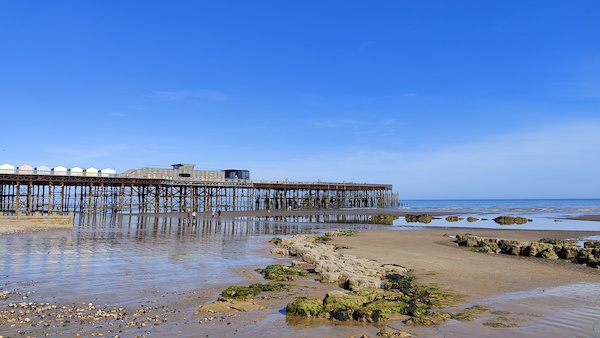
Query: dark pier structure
{"type": "Point", "coordinates": [181, 188]}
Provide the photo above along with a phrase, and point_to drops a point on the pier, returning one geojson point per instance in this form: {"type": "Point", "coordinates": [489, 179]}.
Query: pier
{"type": "Point", "coordinates": [180, 189]}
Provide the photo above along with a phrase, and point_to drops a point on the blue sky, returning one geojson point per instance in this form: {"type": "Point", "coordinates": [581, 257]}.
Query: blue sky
{"type": "Point", "coordinates": [442, 99]}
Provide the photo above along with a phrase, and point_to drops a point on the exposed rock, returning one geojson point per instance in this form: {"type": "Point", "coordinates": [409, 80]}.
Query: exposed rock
{"type": "Point", "coordinates": [592, 244]}
{"type": "Point", "coordinates": [391, 333]}
{"type": "Point", "coordinates": [357, 283]}
{"type": "Point", "coordinates": [367, 298]}
{"type": "Point", "coordinates": [229, 306]}
{"type": "Point", "coordinates": [306, 307]}
{"type": "Point", "coordinates": [424, 218]}
{"type": "Point", "coordinates": [508, 220]}
{"type": "Point", "coordinates": [357, 273]}
{"type": "Point", "coordinates": [542, 249]}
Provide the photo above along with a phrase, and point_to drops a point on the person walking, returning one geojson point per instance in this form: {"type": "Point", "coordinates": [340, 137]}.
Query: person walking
{"type": "Point", "coordinates": [219, 212]}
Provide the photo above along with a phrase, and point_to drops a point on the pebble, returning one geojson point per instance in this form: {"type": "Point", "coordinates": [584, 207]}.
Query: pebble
{"type": "Point", "coordinates": [26, 316]}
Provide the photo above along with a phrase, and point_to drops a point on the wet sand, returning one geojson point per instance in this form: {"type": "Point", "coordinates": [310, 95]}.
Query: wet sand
{"type": "Point", "coordinates": [22, 224]}
{"type": "Point", "coordinates": [528, 296]}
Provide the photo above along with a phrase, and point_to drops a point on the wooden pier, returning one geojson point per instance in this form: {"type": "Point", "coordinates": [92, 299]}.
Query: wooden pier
{"type": "Point", "coordinates": [24, 194]}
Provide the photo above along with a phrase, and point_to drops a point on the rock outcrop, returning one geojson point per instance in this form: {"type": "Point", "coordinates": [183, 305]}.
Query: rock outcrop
{"type": "Point", "coordinates": [424, 218]}
{"type": "Point", "coordinates": [334, 267]}
{"type": "Point", "coordinates": [508, 220]}
{"type": "Point", "coordinates": [545, 248]}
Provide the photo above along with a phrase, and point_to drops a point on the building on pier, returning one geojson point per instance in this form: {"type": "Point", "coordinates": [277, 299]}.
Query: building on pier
{"type": "Point", "coordinates": [177, 172]}
{"type": "Point", "coordinates": [176, 189]}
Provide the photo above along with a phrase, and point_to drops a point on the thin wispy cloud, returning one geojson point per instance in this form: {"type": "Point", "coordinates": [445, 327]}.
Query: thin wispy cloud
{"type": "Point", "coordinates": [337, 123]}
{"type": "Point", "coordinates": [185, 95]}
{"type": "Point", "coordinates": [530, 164]}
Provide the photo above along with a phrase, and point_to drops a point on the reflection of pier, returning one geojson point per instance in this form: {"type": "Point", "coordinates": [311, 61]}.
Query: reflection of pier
{"type": "Point", "coordinates": [50, 194]}
{"type": "Point", "coordinates": [145, 226]}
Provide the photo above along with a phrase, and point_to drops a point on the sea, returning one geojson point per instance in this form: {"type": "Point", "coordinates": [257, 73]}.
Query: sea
{"type": "Point", "coordinates": [560, 208]}
{"type": "Point", "coordinates": [128, 260]}
{"type": "Point", "coordinates": [544, 214]}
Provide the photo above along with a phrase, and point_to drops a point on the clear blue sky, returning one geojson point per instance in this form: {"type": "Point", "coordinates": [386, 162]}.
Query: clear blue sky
{"type": "Point", "coordinates": [442, 99]}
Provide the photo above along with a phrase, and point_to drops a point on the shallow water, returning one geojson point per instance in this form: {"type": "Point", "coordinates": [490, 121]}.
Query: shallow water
{"type": "Point", "coordinates": [105, 251]}
{"type": "Point", "coordinates": [564, 311]}
{"type": "Point", "coordinates": [560, 208]}
{"type": "Point", "coordinates": [486, 221]}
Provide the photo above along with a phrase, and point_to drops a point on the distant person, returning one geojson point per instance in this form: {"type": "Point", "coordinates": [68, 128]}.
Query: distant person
{"type": "Point", "coordinates": [219, 212]}
{"type": "Point", "coordinates": [213, 214]}
{"type": "Point", "coordinates": [194, 215]}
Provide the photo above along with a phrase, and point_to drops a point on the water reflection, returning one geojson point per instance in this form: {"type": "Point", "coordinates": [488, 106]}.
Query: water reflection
{"type": "Point", "coordinates": [118, 256]}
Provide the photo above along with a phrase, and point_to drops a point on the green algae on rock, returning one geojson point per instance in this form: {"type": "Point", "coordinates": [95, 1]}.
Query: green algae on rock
{"type": "Point", "coordinates": [509, 220]}
{"type": "Point", "coordinates": [244, 292]}
{"type": "Point", "coordinates": [399, 296]}
{"type": "Point", "coordinates": [424, 218]}
{"type": "Point", "coordinates": [282, 273]}
{"type": "Point", "coordinates": [386, 219]}
{"type": "Point", "coordinates": [545, 248]}
{"type": "Point", "coordinates": [453, 219]}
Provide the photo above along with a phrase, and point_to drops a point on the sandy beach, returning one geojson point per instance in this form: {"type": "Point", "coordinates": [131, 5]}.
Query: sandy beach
{"type": "Point", "coordinates": [489, 279]}
{"type": "Point", "coordinates": [524, 294]}
{"type": "Point", "coordinates": [22, 224]}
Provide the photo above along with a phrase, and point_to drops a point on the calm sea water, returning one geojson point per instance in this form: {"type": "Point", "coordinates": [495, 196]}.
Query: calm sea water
{"type": "Point", "coordinates": [558, 208]}
{"type": "Point", "coordinates": [545, 214]}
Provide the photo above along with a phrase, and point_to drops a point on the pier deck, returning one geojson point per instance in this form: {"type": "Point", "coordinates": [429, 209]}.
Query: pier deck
{"type": "Point", "coordinates": [28, 194]}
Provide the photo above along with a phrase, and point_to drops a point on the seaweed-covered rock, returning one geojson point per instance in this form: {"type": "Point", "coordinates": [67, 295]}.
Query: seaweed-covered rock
{"type": "Point", "coordinates": [244, 292]}
{"type": "Point", "coordinates": [472, 219]}
{"type": "Point", "coordinates": [424, 218]}
{"type": "Point", "coordinates": [521, 220]}
{"type": "Point", "coordinates": [387, 219]}
{"type": "Point", "coordinates": [508, 220]}
{"type": "Point", "coordinates": [557, 241]}
{"type": "Point", "coordinates": [587, 256]}
{"type": "Point", "coordinates": [306, 307]}
{"type": "Point", "coordinates": [510, 247]}
{"type": "Point", "coordinates": [341, 305]}
{"type": "Point", "coordinates": [489, 246]}
{"type": "Point", "coordinates": [534, 249]}
{"type": "Point", "coordinates": [391, 333]}
{"type": "Point", "coordinates": [548, 254]}
{"type": "Point", "coordinates": [282, 273]}
{"type": "Point", "coordinates": [466, 240]}
{"type": "Point", "coordinates": [591, 244]}
{"type": "Point", "coordinates": [566, 251]}
{"type": "Point", "coordinates": [452, 219]}
{"type": "Point", "coordinates": [434, 318]}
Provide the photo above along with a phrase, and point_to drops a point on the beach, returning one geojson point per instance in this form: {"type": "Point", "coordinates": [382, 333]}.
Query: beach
{"type": "Point", "coordinates": [527, 296]}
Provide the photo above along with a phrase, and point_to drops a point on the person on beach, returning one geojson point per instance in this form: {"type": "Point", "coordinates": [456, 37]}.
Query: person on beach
{"type": "Point", "coordinates": [213, 214]}
{"type": "Point", "coordinates": [219, 212]}
{"type": "Point", "coordinates": [194, 215]}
